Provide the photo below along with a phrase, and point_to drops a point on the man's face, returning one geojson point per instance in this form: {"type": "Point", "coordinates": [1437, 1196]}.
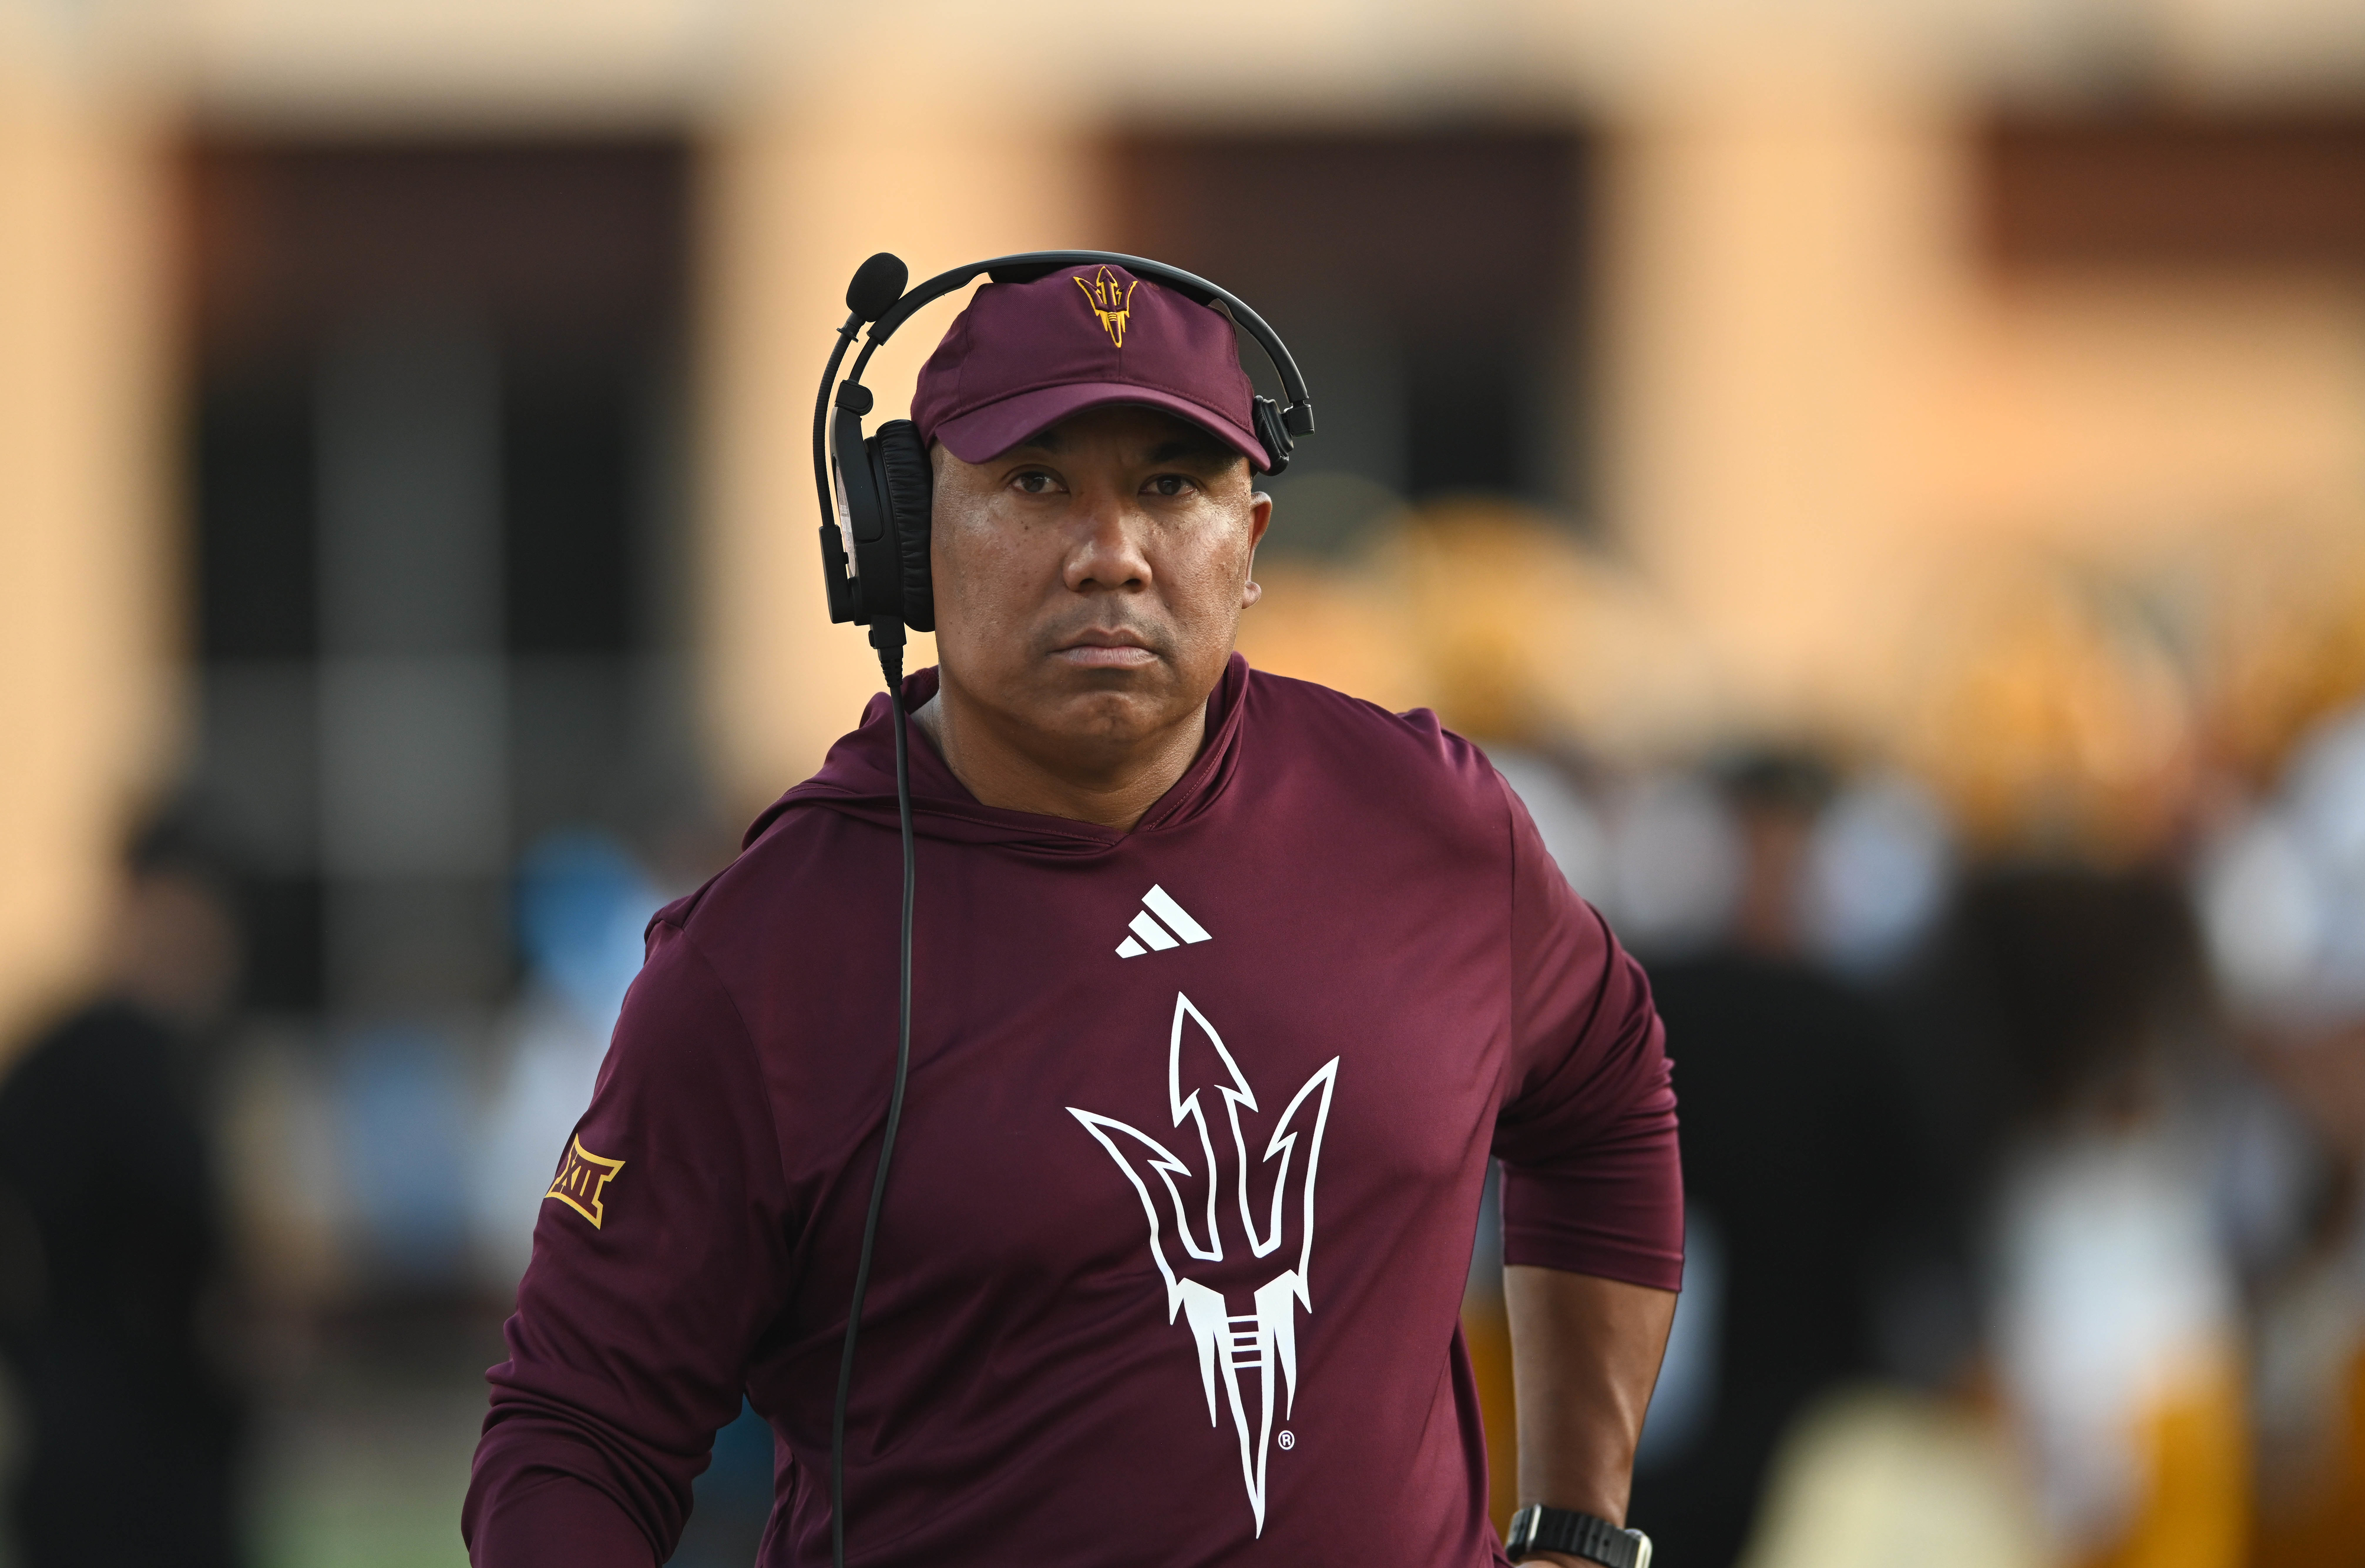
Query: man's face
{"type": "Point", "coordinates": [1090, 581]}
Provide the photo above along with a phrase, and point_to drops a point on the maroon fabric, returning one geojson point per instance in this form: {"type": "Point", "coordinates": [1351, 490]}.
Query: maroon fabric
{"type": "Point", "coordinates": [1394, 981]}
{"type": "Point", "coordinates": [1022, 356]}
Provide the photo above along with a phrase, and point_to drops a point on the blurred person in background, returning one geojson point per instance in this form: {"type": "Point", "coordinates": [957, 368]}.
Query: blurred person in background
{"type": "Point", "coordinates": [2282, 895]}
{"type": "Point", "coordinates": [582, 903]}
{"type": "Point", "coordinates": [112, 1246]}
{"type": "Point", "coordinates": [1798, 1175]}
{"type": "Point", "coordinates": [2113, 1315]}
{"type": "Point", "coordinates": [2306, 1302]}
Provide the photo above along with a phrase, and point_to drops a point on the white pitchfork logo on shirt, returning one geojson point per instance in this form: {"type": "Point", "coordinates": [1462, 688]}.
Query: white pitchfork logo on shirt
{"type": "Point", "coordinates": [1264, 1340]}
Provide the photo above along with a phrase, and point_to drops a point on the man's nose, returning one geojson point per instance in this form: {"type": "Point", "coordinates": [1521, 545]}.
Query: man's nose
{"type": "Point", "coordinates": [1108, 551]}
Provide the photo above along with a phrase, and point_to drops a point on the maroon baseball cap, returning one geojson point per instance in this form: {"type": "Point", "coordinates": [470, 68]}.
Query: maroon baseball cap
{"type": "Point", "coordinates": [1023, 356]}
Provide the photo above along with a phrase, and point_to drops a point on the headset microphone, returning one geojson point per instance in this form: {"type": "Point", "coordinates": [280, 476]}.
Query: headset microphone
{"type": "Point", "coordinates": [877, 284]}
{"type": "Point", "coordinates": [877, 495]}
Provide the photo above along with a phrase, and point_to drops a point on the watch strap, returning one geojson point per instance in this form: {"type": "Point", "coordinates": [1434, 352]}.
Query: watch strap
{"type": "Point", "coordinates": [1537, 1528]}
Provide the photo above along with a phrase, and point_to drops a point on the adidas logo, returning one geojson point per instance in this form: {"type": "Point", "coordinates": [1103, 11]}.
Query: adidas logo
{"type": "Point", "coordinates": [1148, 936]}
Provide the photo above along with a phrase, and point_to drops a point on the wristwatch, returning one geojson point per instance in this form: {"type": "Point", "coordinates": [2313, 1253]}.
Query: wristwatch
{"type": "Point", "coordinates": [1537, 1528]}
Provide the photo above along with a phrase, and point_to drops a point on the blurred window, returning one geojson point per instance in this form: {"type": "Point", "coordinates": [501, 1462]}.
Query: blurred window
{"type": "Point", "coordinates": [432, 396]}
{"type": "Point", "coordinates": [2155, 189]}
{"type": "Point", "coordinates": [1430, 284]}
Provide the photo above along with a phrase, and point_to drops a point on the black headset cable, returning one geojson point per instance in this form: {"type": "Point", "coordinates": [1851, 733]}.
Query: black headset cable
{"type": "Point", "coordinates": [891, 663]}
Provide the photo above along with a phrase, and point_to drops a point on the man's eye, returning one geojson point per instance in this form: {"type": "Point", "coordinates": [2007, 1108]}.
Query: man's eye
{"type": "Point", "coordinates": [1169, 485]}
{"type": "Point", "coordinates": [1035, 482]}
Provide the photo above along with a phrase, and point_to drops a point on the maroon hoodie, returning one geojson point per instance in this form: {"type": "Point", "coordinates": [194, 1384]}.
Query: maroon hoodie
{"type": "Point", "coordinates": [1173, 1252]}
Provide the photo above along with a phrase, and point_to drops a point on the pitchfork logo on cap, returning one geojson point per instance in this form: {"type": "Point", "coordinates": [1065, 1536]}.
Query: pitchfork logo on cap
{"type": "Point", "coordinates": [1111, 298]}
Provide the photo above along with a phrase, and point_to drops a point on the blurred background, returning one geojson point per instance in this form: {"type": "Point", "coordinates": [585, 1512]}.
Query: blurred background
{"type": "Point", "coordinates": [1885, 481]}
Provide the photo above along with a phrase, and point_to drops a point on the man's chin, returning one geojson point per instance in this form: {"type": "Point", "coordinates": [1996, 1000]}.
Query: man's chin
{"type": "Point", "coordinates": [1109, 705]}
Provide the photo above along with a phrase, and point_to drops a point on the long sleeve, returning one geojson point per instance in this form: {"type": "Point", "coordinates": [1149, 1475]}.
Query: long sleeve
{"type": "Point", "coordinates": [659, 1259]}
{"type": "Point", "coordinates": [1591, 1180]}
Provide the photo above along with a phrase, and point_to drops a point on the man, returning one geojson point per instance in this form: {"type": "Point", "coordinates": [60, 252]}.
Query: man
{"type": "Point", "coordinates": [111, 1247]}
{"type": "Point", "coordinates": [1226, 986]}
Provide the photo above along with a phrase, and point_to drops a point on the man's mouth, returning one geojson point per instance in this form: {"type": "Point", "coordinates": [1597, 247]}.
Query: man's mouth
{"type": "Point", "coordinates": [1099, 649]}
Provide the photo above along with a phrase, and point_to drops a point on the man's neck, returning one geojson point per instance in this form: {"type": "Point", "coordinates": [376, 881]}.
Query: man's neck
{"type": "Point", "coordinates": [1113, 790]}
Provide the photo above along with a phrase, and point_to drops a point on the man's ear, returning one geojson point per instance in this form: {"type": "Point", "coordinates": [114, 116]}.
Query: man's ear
{"type": "Point", "coordinates": [1260, 518]}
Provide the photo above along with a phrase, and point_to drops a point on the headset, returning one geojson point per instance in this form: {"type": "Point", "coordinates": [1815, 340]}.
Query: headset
{"type": "Point", "coordinates": [880, 490]}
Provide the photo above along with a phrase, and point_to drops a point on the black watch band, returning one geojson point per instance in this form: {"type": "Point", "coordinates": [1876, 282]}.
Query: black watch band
{"type": "Point", "coordinates": [1537, 1528]}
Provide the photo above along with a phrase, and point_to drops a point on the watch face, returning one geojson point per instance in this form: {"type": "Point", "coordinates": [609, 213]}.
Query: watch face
{"type": "Point", "coordinates": [1641, 1549]}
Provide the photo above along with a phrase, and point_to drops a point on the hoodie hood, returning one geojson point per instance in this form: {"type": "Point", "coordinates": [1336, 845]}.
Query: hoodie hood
{"type": "Point", "coordinates": [857, 779]}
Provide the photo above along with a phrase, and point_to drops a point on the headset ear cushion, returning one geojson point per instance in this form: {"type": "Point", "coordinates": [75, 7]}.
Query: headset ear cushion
{"type": "Point", "coordinates": [908, 483]}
